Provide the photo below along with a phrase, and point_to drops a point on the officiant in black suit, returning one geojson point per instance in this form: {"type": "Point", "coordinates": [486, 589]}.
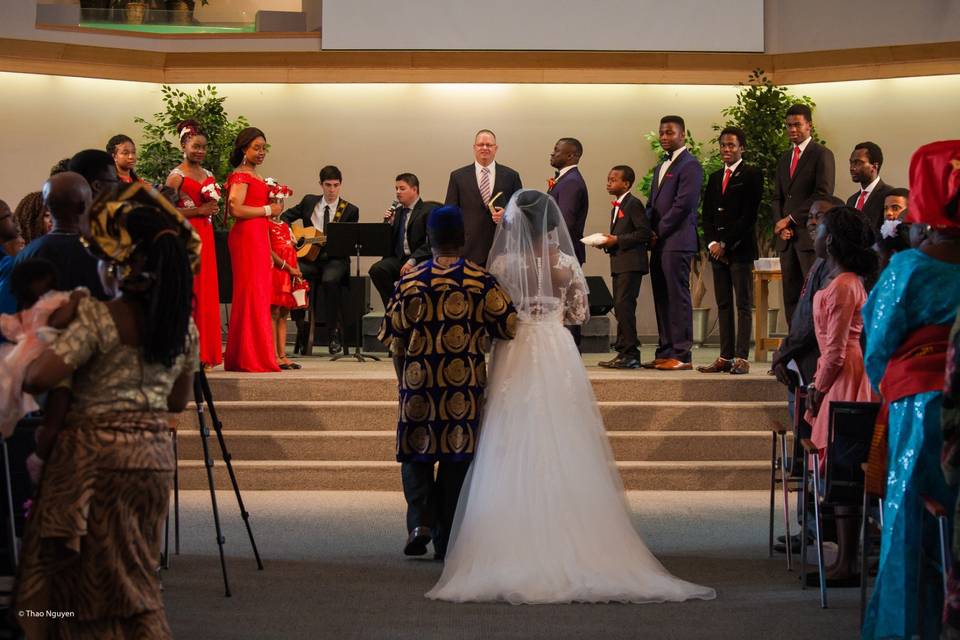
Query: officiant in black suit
{"type": "Point", "coordinates": [408, 220]}
{"type": "Point", "coordinates": [730, 205]}
{"type": "Point", "coordinates": [627, 245]}
{"type": "Point", "coordinates": [471, 189]}
{"type": "Point", "coordinates": [327, 274]}
{"type": "Point", "coordinates": [805, 173]}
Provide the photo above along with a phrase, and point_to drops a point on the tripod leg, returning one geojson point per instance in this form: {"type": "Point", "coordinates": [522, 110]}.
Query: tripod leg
{"type": "Point", "coordinates": [218, 428]}
{"type": "Point", "coordinates": [208, 463]}
{"type": "Point", "coordinates": [176, 497]}
{"type": "Point", "coordinates": [10, 515]}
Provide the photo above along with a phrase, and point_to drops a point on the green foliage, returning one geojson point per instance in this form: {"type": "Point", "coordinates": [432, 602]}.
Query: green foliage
{"type": "Point", "coordinates": [761, 111]}
{"type": "Point", "coordinates": [710, 159]}
{"type": "Point", "coordinates": [159, 150]}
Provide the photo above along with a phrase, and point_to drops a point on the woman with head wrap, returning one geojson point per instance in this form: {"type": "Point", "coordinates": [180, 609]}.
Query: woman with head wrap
{"type": "Point", "coordinates": [92, 542]}
{"type": "Point", "coordinates": [907, 319]}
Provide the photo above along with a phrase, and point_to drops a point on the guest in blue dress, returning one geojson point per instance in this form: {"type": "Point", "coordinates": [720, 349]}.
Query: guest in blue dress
{"type": "Point", "coordinates": [907, 321]}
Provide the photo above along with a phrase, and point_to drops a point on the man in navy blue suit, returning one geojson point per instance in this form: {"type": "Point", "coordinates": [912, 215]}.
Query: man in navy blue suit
{"type": "Point", "coordinates": [569, 190]}
{"type": "Point", "coordinates": [672, 209]}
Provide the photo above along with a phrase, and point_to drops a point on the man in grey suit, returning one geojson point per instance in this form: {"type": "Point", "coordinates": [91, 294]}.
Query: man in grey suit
{"type": "Point", "coordinates": [472, 187]}
{"type": "Point", "coordinates": [805, 173]}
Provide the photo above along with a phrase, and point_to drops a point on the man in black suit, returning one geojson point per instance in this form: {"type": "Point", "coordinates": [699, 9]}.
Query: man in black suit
{"type": "Point", "coordinates": [471, 189]}
{"type": "Point", "coordinates": [896, 203]}
{"type": "Point", "coordinates": [865, 163]}
{"type": "Point", "coordinates": [805, 173]}
{"type": "Point", "coordinates": [327, 274]}
{"type": "Point", "coordinates": [408, 219]}
{"type": "Point", "coordinates": [730, 206]}
{"type": "Point", "coordinates": [569, 190]}
{"type": "Point", "coordinates": [627, 244]}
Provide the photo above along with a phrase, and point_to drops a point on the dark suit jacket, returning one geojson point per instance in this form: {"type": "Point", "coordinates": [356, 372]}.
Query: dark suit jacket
{"type": "Point", "coordinates": [801, 342]}
{"type": "Point", "coordinates": [416, 230]}
{"type": "Point", "coordinates": [730, 216]}
{"type": "Point", "coordinates": [873, 207]}
{"type": "Point", "coordinates": [464, 192]}
{"type": "Point", "coordinates": [673, 203]}
{"type": "Point", "coordinates": [632, 229]}
{"type": "Point", "coordinates": [304, 210]}
{"type": "Point", "coordinates": [813, 180]}
{"type": "Point", "coordinates": [570, 193]}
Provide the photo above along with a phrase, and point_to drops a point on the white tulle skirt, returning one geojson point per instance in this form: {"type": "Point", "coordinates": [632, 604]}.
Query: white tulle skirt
{"type": "Point", "coordinates": [542, 517]}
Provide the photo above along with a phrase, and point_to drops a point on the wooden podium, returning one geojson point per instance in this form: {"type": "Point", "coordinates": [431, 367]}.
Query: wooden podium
{"type": "Point", "coordinates": [763, 343]}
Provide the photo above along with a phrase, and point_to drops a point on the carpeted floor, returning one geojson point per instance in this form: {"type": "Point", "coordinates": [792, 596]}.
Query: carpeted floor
{"type": "Point", "coordinates": [334, 569]}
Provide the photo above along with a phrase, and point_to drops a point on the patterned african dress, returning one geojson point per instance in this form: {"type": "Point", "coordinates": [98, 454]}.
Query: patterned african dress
{"type": "Point", "coordinates": [92, 542]}
{"type": "Point", "coordinates": [914, 291]}
{"type": "Point", "coordinates": [950, 424]}
{"type": "Point", "coordinates": [441, 321]}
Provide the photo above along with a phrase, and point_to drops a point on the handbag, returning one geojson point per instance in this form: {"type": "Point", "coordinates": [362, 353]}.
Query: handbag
{"type": "Point", "coordinates": [300, 289]}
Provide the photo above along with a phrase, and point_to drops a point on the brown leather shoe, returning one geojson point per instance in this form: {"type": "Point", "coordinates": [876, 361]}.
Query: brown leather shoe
{"type": "Point", "coordinates": [653, 363]}
{"type": "Point", "coordinates": [720, 365]}
{"type": "Point", "coordinates": [672, 364]}
{"type": "Point", "coordinates": [739, 367]}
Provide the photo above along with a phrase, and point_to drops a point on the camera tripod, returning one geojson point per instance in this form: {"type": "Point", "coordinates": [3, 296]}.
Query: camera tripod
{"type": "Point", "coordinates": [203, 398]}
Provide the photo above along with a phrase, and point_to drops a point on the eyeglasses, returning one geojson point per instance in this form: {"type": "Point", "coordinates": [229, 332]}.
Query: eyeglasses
{"type": "Point", "coordinates": [485, 145]}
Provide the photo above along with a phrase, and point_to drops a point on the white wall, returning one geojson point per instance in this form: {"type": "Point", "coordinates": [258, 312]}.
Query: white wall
{"type": "Point", "coordinates": [375, 131]}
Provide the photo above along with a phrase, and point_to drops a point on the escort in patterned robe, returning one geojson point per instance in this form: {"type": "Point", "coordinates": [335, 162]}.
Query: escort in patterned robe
{"type": "Point", "coordinates": [438, 326]}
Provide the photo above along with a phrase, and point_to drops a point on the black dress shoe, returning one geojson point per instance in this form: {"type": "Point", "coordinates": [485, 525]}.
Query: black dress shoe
{"type": "Point", "coordinates": [335, 346]}
{"type": "Point", "coordinates": [417, 542]}
{"type": "Point", "coordinates": [622, 362]}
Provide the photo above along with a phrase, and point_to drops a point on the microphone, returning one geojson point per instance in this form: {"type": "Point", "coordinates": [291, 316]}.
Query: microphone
{"type": "Point", "coordinates": [395, 206]}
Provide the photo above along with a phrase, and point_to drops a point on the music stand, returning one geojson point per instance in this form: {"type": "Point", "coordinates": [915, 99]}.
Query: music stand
{"type": "Point", "coordinates": [346, 239]}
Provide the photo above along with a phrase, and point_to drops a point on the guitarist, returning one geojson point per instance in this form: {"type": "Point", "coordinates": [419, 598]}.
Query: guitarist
{"type": "Point", "coordinates": [331, 275]}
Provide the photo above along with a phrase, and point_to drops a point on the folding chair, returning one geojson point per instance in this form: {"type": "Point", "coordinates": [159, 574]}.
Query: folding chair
{"type": "Point", "coordinates": [848, 444]}
{"type": "Point", "coordinates": [867, 540]}
{"type": "Point", "coordinates": [785, 470]}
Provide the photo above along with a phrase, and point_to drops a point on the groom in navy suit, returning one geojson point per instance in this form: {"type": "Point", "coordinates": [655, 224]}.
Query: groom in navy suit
{"type": "Point", "coordinates": [672, 209]}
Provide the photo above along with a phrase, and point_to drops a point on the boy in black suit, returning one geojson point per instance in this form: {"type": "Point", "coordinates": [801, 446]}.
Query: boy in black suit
{"type": "Point", "coordinates": [627, 244]}
{"type": "Point", "coordinates": [730, 206]}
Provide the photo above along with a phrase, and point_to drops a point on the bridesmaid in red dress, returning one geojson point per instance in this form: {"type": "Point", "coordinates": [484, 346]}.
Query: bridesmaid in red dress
{"type": "Point", "coordinates": [285, 269]}
{"type": "Point", "coordinates": [124, 153]}
{"type": "Point", "coordinates": [250, 344]}
{"type": "Point", "coordinates": [197, 204]}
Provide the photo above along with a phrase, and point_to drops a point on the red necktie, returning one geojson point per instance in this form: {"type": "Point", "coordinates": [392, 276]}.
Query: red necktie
{"type": "Point", "coordinates": [794, 160]}
{"type": "Point", "coordinates": [862, 199]}
{"type": "Point", "coordinates": [726, 179]}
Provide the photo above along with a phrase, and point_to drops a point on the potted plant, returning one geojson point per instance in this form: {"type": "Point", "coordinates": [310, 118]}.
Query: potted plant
{"type": "Point", "coordinates": [159, 150]}
{"type": "Point", "coordinates": [181, 11]}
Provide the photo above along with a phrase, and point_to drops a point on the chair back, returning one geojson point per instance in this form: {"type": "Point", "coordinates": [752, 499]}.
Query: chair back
{"type": "Point", "coordinates": [848, 445]}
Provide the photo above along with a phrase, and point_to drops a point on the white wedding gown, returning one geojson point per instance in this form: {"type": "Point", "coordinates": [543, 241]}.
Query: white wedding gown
{"type": "Point", "coordinates": [543, 516]}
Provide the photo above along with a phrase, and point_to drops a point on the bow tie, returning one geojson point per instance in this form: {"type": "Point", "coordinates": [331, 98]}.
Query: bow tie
{"type": "Point", "coordinates": [615, 203]}
{"type": "Point", "coordinates": [667, 156]}
{"type": "Point", "coordinates": [556, 174]}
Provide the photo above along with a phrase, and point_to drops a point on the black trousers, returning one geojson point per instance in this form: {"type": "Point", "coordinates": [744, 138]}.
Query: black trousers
{"type": "Point", "coordinates": [794, 265]}
{"type": "Point", "coordinates": [626, 288]}
{"type": "Point", "coordinates": [734, 281]}
{"type": "Point", "coordinates": [331, 277]}
{"type": "Point", "coordinates": [384, 275]}
{"type": "Point", "coordinates": [670, 279]}
{"type": "Point", "coordinates": [432, 501]}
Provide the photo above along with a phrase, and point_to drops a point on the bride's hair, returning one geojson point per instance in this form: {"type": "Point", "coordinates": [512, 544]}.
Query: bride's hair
{"type": "Point", "coordinates": [535, 205]}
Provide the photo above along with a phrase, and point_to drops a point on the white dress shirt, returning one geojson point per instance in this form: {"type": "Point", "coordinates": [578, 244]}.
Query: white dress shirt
{"type": "Point", "coordinates": [565, 171]}
{"type": "Point", "coordinates": [733, 170]}
{"type": "Point", "coordinates": [619, 201]}
{"type": "Point", "coordinates": [492, 167]}
{"type": "Point", "coordinates": [406, 228]}
{"type": "Point", "coordinates": [317, 216]}
{"type": "Point", "coordinates": [869, 189]}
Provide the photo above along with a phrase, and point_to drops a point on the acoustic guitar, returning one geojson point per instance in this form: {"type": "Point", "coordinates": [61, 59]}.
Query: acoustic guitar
{"type": "Point", "coordinates": [308, 240]}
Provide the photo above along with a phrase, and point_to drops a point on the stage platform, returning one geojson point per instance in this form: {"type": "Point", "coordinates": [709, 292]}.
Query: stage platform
{"type": "Point", "coordinates": [331, 425]}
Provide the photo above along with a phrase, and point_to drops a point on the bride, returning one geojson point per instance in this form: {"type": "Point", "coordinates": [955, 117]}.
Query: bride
{"type": "Point", "coordinates": [543, 516]}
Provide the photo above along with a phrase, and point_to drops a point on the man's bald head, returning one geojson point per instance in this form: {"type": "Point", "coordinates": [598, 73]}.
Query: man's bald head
{"type": "Point", "coordinates": [67, 196]}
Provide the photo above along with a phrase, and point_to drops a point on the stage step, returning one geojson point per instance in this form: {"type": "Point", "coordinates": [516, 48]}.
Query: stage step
{"type": "Point", "coordinates": [301, 475]}
{"type": "Point", "coordinates": [381, 384]}
{"type": "Point", "coordinates": [358, 446]}
{"type": "Point", "coordinates": [381, 415]}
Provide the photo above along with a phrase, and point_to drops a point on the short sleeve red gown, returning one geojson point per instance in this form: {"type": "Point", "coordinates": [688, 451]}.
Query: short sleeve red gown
{"type": "Point", "coordinates": [206, 288]}
{"type": "Point", "coordinates": [250, 343]}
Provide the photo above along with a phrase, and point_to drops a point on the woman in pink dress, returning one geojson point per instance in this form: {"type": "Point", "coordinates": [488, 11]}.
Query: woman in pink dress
{"type": "Point", "coordinates": [250, 343]}
{"type": "Point", "coordinates": [844, 241]}
{"type": "Point", "coordinates": [198, 202]}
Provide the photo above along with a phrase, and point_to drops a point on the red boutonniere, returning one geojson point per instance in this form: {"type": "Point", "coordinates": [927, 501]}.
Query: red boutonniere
{"type": "Point", "coordinates": [669, 175]}
{"type": "Point", "coordinates": [550, 183]}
